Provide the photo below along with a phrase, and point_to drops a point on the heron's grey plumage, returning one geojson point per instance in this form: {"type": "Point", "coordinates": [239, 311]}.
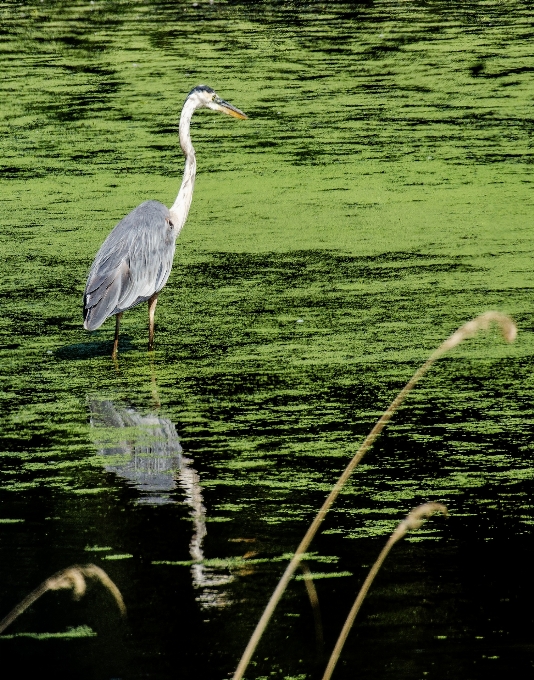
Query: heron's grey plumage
{"type": "Point", "coordinates": [133, 263]}
{"type": "Point", "coordinates": [135, 260]}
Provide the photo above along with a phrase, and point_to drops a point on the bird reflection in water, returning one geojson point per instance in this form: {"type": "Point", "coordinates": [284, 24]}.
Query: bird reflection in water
{"type": "Point", "coordinates": [145, 450]}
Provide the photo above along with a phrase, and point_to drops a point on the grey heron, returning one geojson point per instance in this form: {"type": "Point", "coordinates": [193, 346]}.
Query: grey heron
{"type": "Point", "coordinates": [134, 262]}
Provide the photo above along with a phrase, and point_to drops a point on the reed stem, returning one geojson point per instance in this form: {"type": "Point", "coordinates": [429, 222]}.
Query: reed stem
{"type": "Point", "coordinates": [413, 521]}
{"type": "Point", "coordinates": [314, 601]}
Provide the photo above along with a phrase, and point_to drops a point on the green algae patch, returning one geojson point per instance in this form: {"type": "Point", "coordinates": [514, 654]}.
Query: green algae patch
{"type": "Point", "coordinates": [316, 575]}
{"type": "Point", "coordinates": [91, 491]}
{"type": "Point", "coordinates": [241, 562]}
{"type": "Point", "coordinates": [70, 634]}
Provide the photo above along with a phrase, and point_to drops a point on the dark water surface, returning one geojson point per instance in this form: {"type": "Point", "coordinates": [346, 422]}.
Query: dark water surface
{"type": "Point", "coordinates": [379, 196]}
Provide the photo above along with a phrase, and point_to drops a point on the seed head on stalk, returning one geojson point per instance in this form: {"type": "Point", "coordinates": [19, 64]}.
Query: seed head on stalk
{"type": "Point", "coordinates": [72, 578]}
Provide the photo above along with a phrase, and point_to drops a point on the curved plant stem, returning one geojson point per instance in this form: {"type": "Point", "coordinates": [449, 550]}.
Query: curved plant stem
{"type": "Point", "coordinates": [468, 330]}
{"type": "Point", "coordinates": [413, 521]}
{"type": "Point", "coordinates": [314, 601]}
{"type": "Point", "coordinates": [70, 578]}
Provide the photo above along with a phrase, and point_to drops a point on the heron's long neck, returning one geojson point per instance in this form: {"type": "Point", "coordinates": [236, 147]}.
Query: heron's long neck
{"type": "Point", "coordinates": [181, 205]}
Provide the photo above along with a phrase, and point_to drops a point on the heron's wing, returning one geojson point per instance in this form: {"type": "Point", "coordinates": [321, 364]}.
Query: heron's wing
{"type": "Point", "coordinates": [133, 263]}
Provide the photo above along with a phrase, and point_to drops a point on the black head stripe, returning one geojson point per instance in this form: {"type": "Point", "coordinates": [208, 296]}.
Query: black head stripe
{"type": "Point", "coordinates": [201, 88]}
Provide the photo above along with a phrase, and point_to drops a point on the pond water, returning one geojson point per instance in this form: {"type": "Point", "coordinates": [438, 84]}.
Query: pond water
{"type": "Point", "coordinates": [378, 196]}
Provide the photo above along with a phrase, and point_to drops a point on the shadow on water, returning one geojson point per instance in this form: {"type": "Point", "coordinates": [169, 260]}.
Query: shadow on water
{"type": "Point", "coordinates": [98, 348]}
{"type": "Point", "coordinates": [312, 266]}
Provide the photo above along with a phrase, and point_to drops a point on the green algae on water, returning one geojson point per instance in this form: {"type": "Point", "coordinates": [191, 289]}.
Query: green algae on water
{"type": "Point", "coordinates": [70, 634]}
{"type": "Point", "coordinates": [378, 196]}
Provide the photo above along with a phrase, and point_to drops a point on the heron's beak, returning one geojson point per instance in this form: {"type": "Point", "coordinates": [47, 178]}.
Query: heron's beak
{"type": "Point", "coordinates": [225, 107]}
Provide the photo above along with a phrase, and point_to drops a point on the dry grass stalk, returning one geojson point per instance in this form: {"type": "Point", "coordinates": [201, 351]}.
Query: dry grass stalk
{"type": "Point", "coordinates": [314, 601]}
{"type": "Point", "coordinates": [411, 522]}
{"type": "Point", "coordinates": [73, 578]}
{"type": "Point", "coordinates": [468, 330]}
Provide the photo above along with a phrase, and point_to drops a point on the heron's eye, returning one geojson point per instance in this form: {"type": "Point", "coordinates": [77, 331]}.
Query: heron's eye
{"type": "Point", "coordinates": [214, 97]}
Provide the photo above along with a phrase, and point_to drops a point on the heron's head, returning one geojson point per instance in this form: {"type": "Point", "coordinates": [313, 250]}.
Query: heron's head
{"type": "Point", "coordinates": [204, 96]}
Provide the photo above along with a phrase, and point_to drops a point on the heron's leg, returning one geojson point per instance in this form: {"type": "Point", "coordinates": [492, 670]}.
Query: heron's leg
{"type": "Point", "coordinates": [116, 343]}
{"type": "Point", "coordinates": [151, 311]}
